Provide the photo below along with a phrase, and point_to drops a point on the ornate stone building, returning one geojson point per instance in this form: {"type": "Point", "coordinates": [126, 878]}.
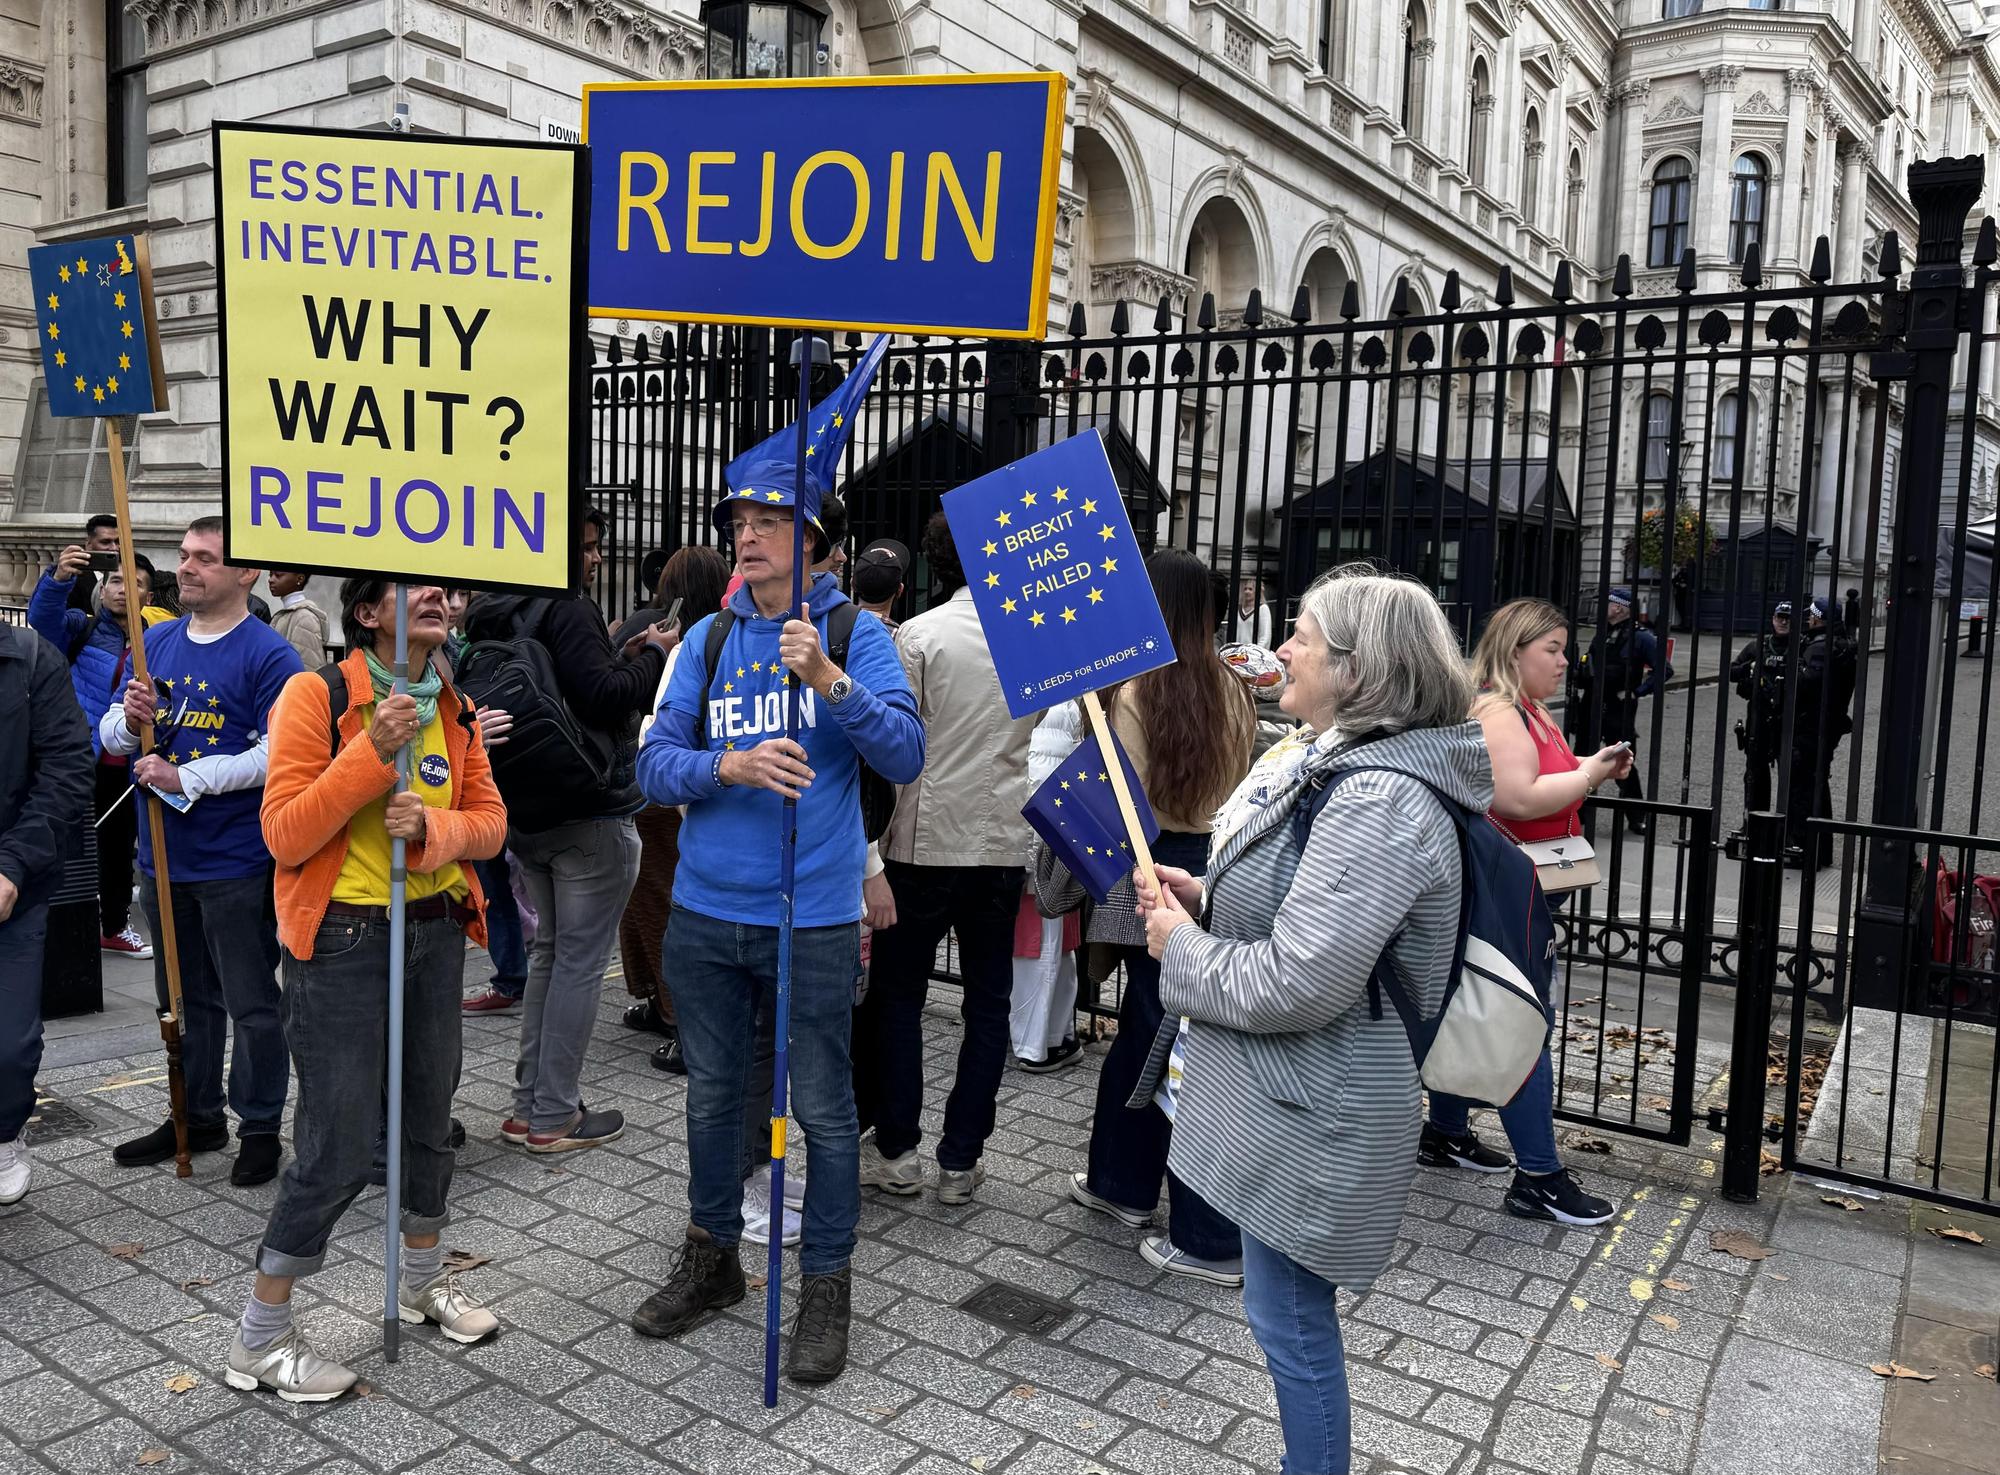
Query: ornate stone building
{"type": "Point", "coordinates": [1215, 145]}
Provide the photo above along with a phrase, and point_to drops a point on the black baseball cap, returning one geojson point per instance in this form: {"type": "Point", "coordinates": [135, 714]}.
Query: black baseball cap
{"type": "Point", "coordinates": [880, 569]}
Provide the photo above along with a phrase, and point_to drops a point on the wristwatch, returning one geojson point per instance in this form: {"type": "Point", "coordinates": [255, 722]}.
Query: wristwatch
{"type": "Point", "coordinates": [838, 692]}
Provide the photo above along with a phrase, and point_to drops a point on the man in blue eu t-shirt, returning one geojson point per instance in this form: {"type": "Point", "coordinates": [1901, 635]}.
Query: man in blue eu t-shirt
{"type": "Point", "coordinates": [217, 672]}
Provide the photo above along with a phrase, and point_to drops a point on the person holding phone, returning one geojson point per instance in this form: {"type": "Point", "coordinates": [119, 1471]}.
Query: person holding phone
{"type": "Point", "coordinates": [1538, 787]}
{"type": "Point", "coordinates": [98, 645]}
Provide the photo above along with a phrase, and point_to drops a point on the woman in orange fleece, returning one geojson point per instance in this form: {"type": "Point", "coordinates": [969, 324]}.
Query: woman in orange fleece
{"type": "Point", "coordinates": [329, 816]}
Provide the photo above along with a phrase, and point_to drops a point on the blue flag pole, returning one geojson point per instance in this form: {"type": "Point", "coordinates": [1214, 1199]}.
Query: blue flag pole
{"type": "Point", "coordinates": [392, 1230]}
{"type": "Point", "coordinates": [788, 849]}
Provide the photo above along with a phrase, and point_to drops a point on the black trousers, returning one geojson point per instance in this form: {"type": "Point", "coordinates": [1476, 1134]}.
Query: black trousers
{"type": "Point", "coordinates": [116, 838]}
{"type": "Point", "coordinates": [1811, 797]}
{"type": "Point", "coordinates": [980, 903]}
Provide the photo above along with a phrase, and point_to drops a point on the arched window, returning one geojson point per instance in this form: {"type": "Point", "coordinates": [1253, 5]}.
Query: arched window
{"type": "Point", "coordinates": [1722, 453]}
{"type": "Point", "coordinates": [1573, 208]}
{"type": "Point", "coordinates": [1659, 458]}
{"type": "Point", "coordinates": [1673, 185]}
{"type": "Point", "coordinates": [1531, 169]}
{"type": "Point", "coordinates": [1748, 190]}
{"type": "Point", "coordinates": [1417, 48]}
{"type": "Point", "coordinates": [1478, 120]}
{"type": "Point", "coordinates": [1680, 9]}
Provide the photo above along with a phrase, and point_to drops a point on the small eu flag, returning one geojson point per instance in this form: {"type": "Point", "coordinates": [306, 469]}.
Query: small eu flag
{"type": "Point", "coordinates": [1076, 812]}
{"type": "Point", "coordinates": [93, 304]}
{"type": "Point", "coordinates": [767, 473]}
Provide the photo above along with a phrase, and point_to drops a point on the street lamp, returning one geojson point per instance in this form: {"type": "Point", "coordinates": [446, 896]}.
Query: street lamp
{"type": "Point", "coordinates": [763, 38]}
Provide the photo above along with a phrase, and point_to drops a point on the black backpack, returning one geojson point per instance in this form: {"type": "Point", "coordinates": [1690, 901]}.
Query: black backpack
{"type": "Point", "coordinates": [878, 795]}
{"type": "Point", "coordinates": [552, 769]}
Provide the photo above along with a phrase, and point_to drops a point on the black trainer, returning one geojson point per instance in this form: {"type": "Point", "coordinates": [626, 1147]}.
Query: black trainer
{"type": "Point", "coordinates": [1063, 1053]}
{"type": "Point", "coordinates": [645, 1017]}
{"type": "Point", "coordinates": [668, 1058]}
{"type": "Point", "coordinates": [1558, 1197]}
{"type": "Point", "coordinates": [257, 1160]}
{"type": "Point", "coordinates": [818, 1351]}
{"type": "Point", "coordinates": [157, 1146]}
{"type": "Point", "coordinates": [705, 1276]}
{"type": "Point", "coordinates": [1437, 1149]}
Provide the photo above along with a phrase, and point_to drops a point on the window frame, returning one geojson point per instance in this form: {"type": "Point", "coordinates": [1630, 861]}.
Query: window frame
{"type": "Point", "coordinates": [1667, 239]}
{"type": "Point", "coordinates": [1656, 442]}
{"type": "Point", "coordinates": [1753, 187]}
{"type": "Point", "coordinates": [123, 184]}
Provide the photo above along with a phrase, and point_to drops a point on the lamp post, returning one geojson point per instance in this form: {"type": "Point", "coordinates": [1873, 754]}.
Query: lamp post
{"type": "Point", "coordinates": [761, 39]}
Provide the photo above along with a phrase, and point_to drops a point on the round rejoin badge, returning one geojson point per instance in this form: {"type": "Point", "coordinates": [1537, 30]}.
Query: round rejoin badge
{"type": "Point", "coordinates": [434, 770]}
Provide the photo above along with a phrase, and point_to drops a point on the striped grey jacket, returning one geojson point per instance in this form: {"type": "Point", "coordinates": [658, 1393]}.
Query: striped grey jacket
{"type": "Point", "coordinates": [1298, 1113]}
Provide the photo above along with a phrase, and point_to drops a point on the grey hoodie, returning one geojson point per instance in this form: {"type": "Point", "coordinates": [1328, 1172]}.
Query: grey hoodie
{"type": "Point", "coordinates": [1298, 1113]}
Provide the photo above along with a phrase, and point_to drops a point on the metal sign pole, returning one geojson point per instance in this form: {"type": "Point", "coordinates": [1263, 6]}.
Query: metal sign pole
{"type": "Point", "coordinates": [392, 1228]}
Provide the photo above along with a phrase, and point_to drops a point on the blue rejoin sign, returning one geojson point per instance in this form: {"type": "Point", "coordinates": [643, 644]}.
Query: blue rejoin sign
{"type": "Point", "coordinates": [1059, 583]}
{"type": "Point", "coordinates": [879, 204]}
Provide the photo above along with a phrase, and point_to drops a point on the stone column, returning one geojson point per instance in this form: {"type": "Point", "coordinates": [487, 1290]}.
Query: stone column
{"type": "Point", "coordinates": [1710, 233]}
{"type": "Point", "coordinates": [1868, 33]}
{"type": "Point", "coordinates": [1862, 487]}
{"type": "Point", "coordinates": [1835, 430]}
{"type": "Point", "coordinates": [1853, 209]}
{"type": "Point", "coordinates": [1631, 179]}
{"type": "Point", "coordinates": [1785, 237]}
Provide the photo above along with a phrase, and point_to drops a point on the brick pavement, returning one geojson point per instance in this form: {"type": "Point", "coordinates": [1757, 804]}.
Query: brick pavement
{"type": "Point", "coordinates": [1491, 1344]}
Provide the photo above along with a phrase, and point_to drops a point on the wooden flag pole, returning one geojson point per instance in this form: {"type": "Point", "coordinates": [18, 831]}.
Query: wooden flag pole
{"type": "Point", "coordinates": [1115, 771]}
{"type": "Point", "coordinates": [135, 632]}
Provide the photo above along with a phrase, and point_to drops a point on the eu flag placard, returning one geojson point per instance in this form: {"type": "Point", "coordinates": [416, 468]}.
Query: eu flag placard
{"type": "Point", "coordinates": [1059, 581]}
{"type": "Point", "coordinates": [94, 320]}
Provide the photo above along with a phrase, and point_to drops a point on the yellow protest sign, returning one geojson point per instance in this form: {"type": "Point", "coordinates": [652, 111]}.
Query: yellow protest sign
{"type": "Point", "coordinates": [401, 367]}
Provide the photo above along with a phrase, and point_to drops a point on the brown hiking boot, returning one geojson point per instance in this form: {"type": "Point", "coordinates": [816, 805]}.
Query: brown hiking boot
{"type": "Point", "coordinates": [705, 1276]}
{"type": "Point", "coordinates": [818, 1352]}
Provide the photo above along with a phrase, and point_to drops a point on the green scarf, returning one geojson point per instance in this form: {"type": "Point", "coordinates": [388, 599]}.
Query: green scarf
{"type": "Point", "coordinates": [425, 691]}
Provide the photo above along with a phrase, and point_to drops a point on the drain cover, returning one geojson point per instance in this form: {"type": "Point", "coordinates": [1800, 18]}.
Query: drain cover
{"type": "Point", "coordinates": [1016, 1309]}
{"type": "Point", "coordinates": [53, 1119]}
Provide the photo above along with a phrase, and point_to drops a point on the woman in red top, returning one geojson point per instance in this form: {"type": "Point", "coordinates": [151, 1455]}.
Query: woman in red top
{"type": "Point", "coordinates": [1538, 787]}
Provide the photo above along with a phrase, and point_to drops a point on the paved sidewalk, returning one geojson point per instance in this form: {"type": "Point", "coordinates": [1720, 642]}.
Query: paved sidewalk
{"type": "Point", "coordinates": [1492, 1345]}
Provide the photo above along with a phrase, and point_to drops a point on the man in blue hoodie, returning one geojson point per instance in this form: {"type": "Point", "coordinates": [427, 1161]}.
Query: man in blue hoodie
{"type": "Point", "coordinates": [718, 746]}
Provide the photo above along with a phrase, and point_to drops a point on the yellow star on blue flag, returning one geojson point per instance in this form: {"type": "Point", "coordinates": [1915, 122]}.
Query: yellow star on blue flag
{"type": "Point", "coordinates": [94, 324]}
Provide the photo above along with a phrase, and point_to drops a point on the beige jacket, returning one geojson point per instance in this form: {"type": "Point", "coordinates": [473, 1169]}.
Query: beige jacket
{"type": "Point", "coordinates": [965, 808]}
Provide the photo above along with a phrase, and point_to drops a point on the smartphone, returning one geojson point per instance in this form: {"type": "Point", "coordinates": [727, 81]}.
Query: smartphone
{"type": "Point", "coordinates": [673, 615]}
{"type": "Point", "coordinates": [103, 562]}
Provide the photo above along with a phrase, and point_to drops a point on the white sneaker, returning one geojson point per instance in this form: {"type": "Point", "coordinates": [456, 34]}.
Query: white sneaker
{"type": "Point", "coordinates": [15, 1166]}
{"type": "Point", "coordinates": [901, 1176]}
{"type": "Point", "coordinates": [757, 1208]}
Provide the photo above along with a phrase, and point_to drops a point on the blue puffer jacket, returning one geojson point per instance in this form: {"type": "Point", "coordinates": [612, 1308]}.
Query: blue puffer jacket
{"type": "Point", "coordinates": [100, 666]}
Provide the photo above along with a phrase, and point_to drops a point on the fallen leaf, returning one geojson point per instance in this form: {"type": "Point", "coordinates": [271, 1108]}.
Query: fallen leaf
{"type": "Point", "coordinates": [132, 1250]}
{"type": "Point", "coordinates": [1952, 1231]}
{"type": "Point", "coordinates": [1737, 1242]}
{"type": "Point", "coordinates": [1776, 1275]}
{"type": "Point", "coordinates": [1564, 1387]}
{"type": "Point", "coordinates": [1662, 1413]}
{"type": "Point", "coordinates": [1897, 1370]}
{"type": "Point", "coordinates": [1024, 1391]}
{"type": "Point", "coordinates": [1605, 1359]}
{"type": "Point", "coordinates": [1161, 1402]}
{"type": "Point", "coordinates": [1768, 1162]}
{"type": "Point", "coordinates": [756, 1282]}
{"type": "Point", "coordinates": [366, 1390]}
{"type": "Point", "coordinates": [978, 1462]}
{"type": "Point", "coordinates": [199, 1280]}
{"type": "Point", "coordinates": [1658, 1103]}
{"type": "Point", "coordinates": [1086, 1423]}
{"type": "Point", "coordinates": [880, 1410]}
{"type": "Point", "coordinates": [1852, 1205]}
{"type": "Point", "coordinates": [1671, 1323]}
{"type": "Point", "coordinates": [183, 1383]}
{"type": "Point", "coordinates": [153, 1457]}
{"type": "Point", "coordinates": [1591, 1144]}
{"type": "Point", "coordinates": [1985, 1370]}
{"type": "Point", "coordinates": [465, 1260]}
{"type": "Point", "coordinates": [1675, 1285]}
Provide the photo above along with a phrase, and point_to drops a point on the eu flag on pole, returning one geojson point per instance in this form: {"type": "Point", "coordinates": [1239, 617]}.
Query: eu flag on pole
{"type": "Point", "coordinates": [1076, 812]}
{"type": "Point", "coordinates": [93, 306]}
{"type": "Point", "coordinates": [767, 473]}
{"type": "Point", "coordinates": [1057, 577]}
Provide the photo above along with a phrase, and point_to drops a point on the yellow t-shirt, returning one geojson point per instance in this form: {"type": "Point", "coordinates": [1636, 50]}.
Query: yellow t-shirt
{"type": "Point", "coordinates": [364, 874]}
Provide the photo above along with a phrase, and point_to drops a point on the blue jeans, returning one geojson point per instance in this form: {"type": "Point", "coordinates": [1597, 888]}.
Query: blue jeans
{"type": "Point", "coordinates": [21, 939]}
{"type": "Point", "coordinates": [1529, 1119]}
{"type": "Point", "coordinates": [504, 944]}
{"type": "Point", "coordinates": [719, 973]}
{"type": "Point", "coordinates": [227, 936]}
{"type": "Point", "coordinates": [1291, 1313]}
{"type": "Point", "coordinates": [1128, 1146]}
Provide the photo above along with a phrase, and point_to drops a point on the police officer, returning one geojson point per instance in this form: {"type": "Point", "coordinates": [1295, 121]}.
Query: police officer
{"type": "Point", "coordinates": [1758, 673]}
{"type": "Point", "coordinates": [1622, 665]}
{"type": "Point", "coordinates": [1828, 662]}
